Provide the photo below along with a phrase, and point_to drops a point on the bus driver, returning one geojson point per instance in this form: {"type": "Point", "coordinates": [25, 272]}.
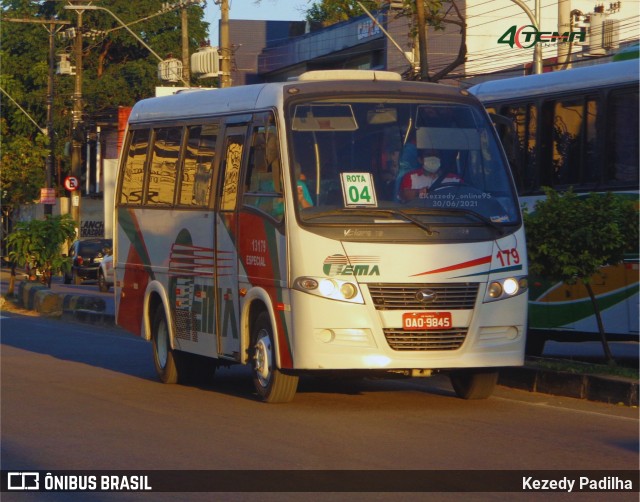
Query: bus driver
{"type": "Point", "coordinates": [417, 183]}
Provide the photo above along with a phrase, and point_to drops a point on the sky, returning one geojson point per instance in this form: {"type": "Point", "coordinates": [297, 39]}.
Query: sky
{"type": "Point", "coordinates": [272, 10]}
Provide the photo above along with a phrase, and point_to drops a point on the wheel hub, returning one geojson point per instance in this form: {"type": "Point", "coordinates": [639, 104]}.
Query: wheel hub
{"type": "Point", "coordinates": [162, 347]}
{"type": "Point", "coordinates": [262, 362]}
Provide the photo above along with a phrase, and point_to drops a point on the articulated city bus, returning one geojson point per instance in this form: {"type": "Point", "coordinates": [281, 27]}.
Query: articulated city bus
{"type": "Point", "coordinates": [575, 128]}
{"type": "Point", "coordinates": [343, 221]}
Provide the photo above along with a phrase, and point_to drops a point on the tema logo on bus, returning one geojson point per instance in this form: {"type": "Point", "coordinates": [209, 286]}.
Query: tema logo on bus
{"type": "Point", "coordinates": [339, 264]}
{"type": "Point", "coordinates": [516, 35]}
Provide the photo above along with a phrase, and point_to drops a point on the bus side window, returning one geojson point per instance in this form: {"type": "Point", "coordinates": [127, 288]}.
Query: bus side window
{"type": "Point", "coordinates": [523, 162]}
{"type": "Point", "coordinates": [573, 137]}
{"type": "Point", "coordinates": [257, 168]}
{"type": "Point", "coordinates": [199, 156]}
{"type": "Point", "coordinates": [163, 166]}
{"type": "Point", "coordinates": [132, 177]}
{"type": "Point", "coordinates": [622, 136]}
{"type": "Point", "coordinates": [262, 180]}
{"type": "Point", "coordinates": [233, 148]}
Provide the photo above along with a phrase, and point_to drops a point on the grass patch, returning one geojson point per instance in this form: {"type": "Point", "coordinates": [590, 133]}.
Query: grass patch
{"type": "Point", "coordinates": [578, 367]}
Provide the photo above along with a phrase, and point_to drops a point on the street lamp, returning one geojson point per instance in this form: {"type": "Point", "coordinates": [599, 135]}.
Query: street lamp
{"type": "Point", "coordinates": [76, 151]}
{"type": "Point", "coordinates": [80, 8]}
{"type": "Point", "coordinates": [535, 19]}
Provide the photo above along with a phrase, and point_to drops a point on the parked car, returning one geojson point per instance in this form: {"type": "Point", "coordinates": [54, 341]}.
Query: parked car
{"type": "Point", "coordinates": [86, 257]}
{"type": "Point", "coordinates": [105, 273]}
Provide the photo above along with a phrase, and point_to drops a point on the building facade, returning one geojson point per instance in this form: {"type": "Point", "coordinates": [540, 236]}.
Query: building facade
{"type": "Point", "coordinates": [499, 37]}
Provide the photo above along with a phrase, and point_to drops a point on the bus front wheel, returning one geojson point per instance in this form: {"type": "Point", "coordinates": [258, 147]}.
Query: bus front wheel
{"type": "Point", "coordinates": [272, 385]}
{"type": "Point", "coordinates": [474, 384]}
{"type": "Point", "coordinates": [163, 355]}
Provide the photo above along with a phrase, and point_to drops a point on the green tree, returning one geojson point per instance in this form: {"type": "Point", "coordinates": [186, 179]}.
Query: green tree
{"type": "Point", "coordinates": [569, 238]}
{"type": "Point", "coordinates": [328, 12]}
{"type": "Point", "coordinates": [118, 70]}
{"type": "Point", "coordinates": [22, 173]}
{"type": "Point", "coordinates": [37, 243]}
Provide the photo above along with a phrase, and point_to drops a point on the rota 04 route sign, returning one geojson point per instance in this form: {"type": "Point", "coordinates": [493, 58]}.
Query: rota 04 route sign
{"type": "Point", "coordinates": [358, 189]}
{"type": "Point", "coordinates": [71, 183]}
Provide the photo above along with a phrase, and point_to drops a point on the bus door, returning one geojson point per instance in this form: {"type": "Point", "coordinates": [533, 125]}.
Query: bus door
{"type": "Point", "coordinates": [228, 306]}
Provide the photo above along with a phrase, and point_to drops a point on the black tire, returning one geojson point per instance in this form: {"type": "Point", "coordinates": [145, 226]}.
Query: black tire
{"type": "Point", "coordinates": [102, 284]}
{"type": "Point", "coordinates": [77, 280]}
{"type": "Point", "coordinates": [272, 385]}
{"type": "Point", "coordinates": [474, 384]}
{"type": "Point", "coordinates": [67, 278]}
{"type": "Point", "coordinates": [163, 355]}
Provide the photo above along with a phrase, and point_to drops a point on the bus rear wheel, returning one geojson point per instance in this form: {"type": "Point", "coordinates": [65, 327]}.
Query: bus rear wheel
{"type": "Point", "coordinates": [272, 385]}
{"type": "Point", "coordinates": [474, 384]}
{"type": "Point", "coordinates": [163, 355]}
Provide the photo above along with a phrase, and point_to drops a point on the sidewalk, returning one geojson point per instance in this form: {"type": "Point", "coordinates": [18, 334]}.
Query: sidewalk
{"type": "Point", "coordinates": [86, 304]}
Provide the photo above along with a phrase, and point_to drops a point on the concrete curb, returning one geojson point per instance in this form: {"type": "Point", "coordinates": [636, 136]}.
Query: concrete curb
{"type": "Point", "coordinates": [606, 389]}
{"type": "Point", "coordinates": [601, 388]}
{"type": "Point", "coordinates": [81, 308]}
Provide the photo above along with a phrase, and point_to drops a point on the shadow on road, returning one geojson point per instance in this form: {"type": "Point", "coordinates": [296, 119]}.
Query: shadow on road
{"type": "Point", "coordinates": [115, 350]}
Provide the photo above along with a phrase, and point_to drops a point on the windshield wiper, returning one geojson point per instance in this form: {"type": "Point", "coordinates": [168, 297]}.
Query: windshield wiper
{"type": "Point", "coordinates": [374, 213]}
{"type": "Point", "coordinates": [413, 220]}
{"type": "Point", "coordinates": [408, 217]}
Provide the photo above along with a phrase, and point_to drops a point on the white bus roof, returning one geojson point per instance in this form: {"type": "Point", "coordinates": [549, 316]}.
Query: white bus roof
{"type": "Point", "coordinates": [244, 99]}
{"type": "Point", "coordinates": [596, 76]}
{"type": "Point", "coordinates": [348, 75]}
{"type": "Point", "coordinates": [203, 102]}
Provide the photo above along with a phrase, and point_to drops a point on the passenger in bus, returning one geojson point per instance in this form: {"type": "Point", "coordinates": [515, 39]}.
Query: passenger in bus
{"type": "Point", "coordinates": [272, 154]}
{"type": "Point", "coordinates": [389, 168]}
{"type": "Point", "coordinates": [303, 195]}
{"type": "Point", "coordinates": [417, 183]}
{"type": "Point", "coordinates": [273, 167]}
{"type": "Point", "coordinates": [398, 163]}
{"type": "Point", "coordinates": [408, 162]}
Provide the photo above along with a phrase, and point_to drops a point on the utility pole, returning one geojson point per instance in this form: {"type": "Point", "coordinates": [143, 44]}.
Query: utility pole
{"type": "Point", "coordinates": [422, 41]}
{"type": "Point", "coordinates": [48, 208]}
{"type": "Point", "coordinates": [225, 49]}
{"type": "Point", "coordinates": [564, 26]}
{"type": "Point", "coordinates": [186, 70]}
{"type": "Point", "coordinates": [77, 136]}
{"type": "Point", "coordinates": [52, 26]}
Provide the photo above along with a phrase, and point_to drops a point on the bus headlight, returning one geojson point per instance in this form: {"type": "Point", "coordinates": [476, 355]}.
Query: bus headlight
{"type": "Point", "coordinates": [505, 288]}
{"type": "Point", "coordinates": [334, 289]}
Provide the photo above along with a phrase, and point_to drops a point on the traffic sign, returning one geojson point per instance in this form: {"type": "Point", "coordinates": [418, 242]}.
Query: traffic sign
{"type": "Point", "coordinates": [48, 196]}
{"type": "Point", "coordinates": [71, 183]}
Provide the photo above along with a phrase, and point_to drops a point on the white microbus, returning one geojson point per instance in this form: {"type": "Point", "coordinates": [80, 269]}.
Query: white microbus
{"type": "Point", "coordinates": [344, 221]}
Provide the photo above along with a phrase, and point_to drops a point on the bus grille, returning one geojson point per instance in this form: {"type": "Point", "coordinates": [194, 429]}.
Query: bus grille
{"type": "Point", "coordinates": [449, 296]}
{"type": "Point", "coordinates": [399, 339]}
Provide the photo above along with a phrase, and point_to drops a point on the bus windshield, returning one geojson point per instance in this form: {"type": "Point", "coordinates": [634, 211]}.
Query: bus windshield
{"type": "Point", "coordinates": [426, 163]}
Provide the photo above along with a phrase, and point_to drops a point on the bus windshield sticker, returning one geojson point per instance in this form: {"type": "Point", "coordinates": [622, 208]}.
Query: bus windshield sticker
{"type": "Point", "coordinates": [315, 117]}
{"type": "Point", "coordinates": [358, 190]}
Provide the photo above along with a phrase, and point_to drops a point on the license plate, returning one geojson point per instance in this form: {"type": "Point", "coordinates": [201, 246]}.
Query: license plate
{"type": "Point", "coordinates": [424, 321]}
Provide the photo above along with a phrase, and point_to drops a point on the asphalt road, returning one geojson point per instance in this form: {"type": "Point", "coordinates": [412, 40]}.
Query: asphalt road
{"type": "Point", "coordinates": [84, 397]}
